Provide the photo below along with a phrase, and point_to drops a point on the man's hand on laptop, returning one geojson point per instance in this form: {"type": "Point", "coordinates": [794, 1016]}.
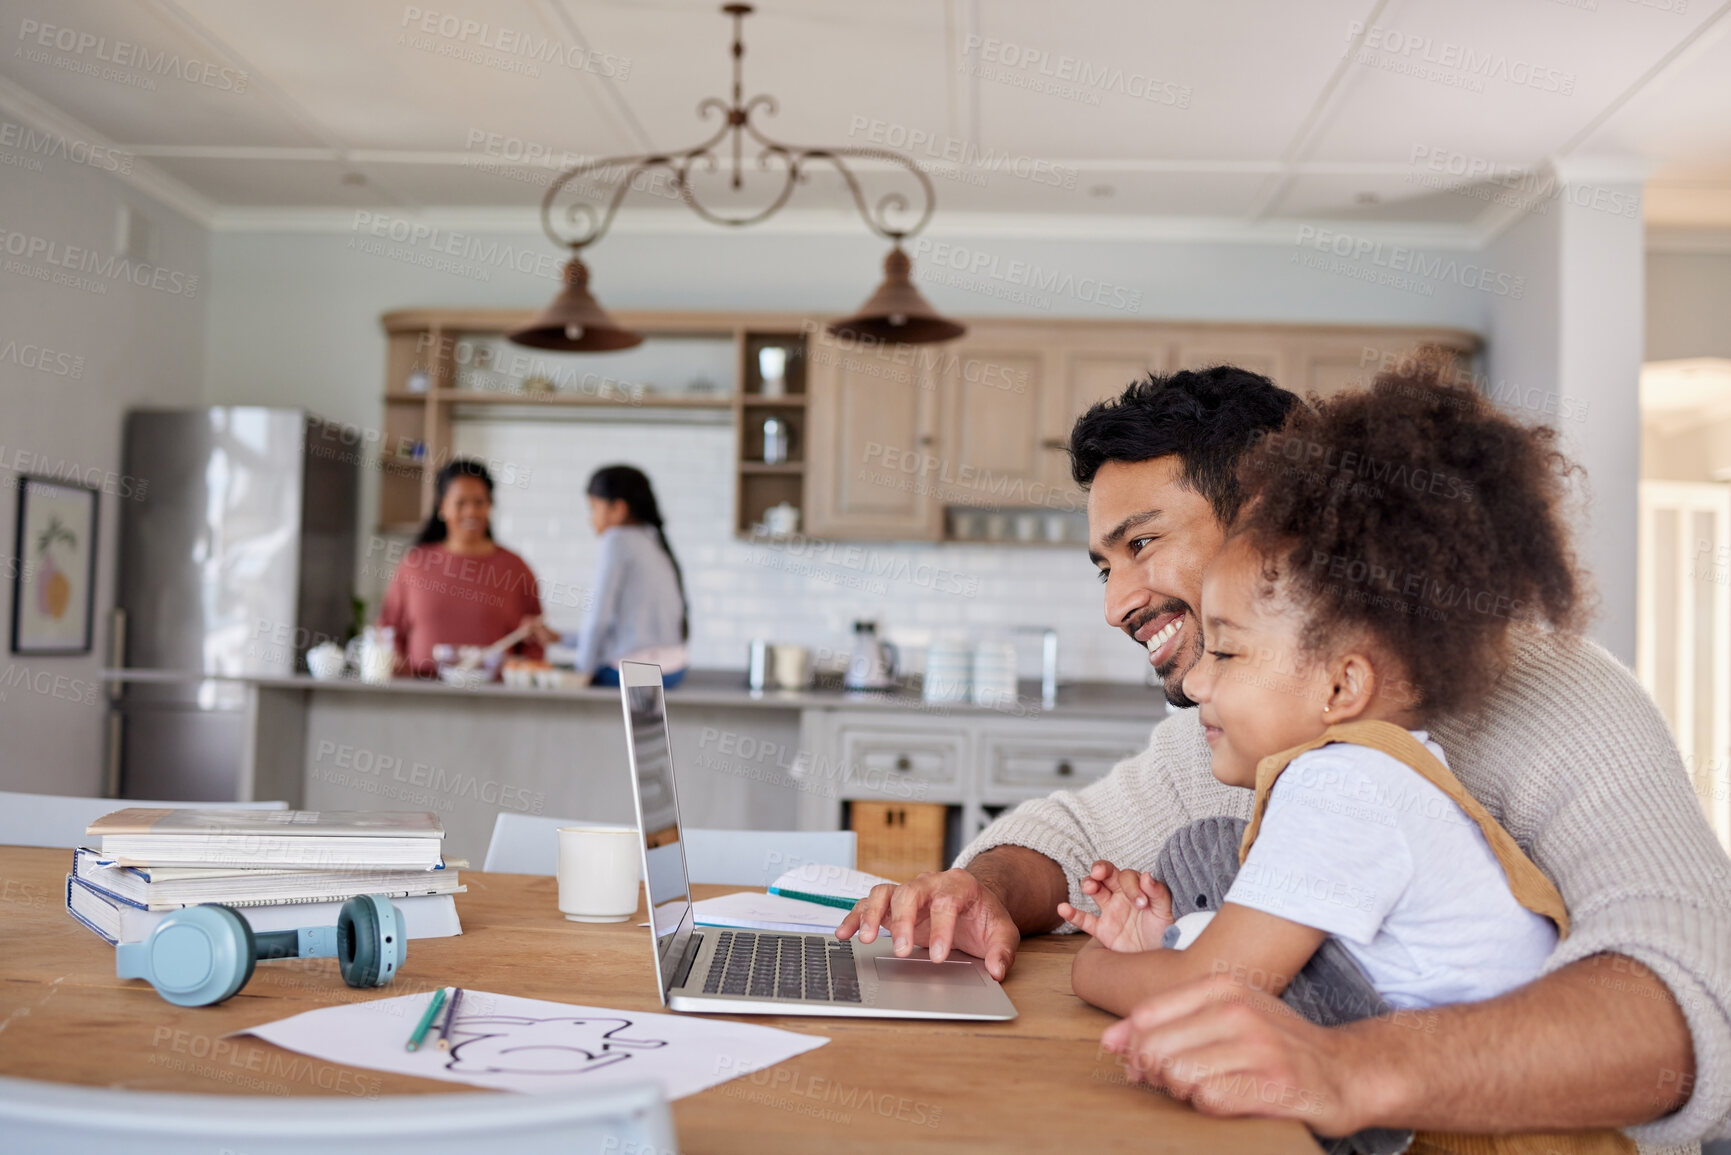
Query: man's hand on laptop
{"type": "Point", "coordinates": [939, 911]}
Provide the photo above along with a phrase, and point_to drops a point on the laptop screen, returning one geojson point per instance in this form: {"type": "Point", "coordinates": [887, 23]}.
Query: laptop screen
{"type": "Point", "coordinates": [650, 749]}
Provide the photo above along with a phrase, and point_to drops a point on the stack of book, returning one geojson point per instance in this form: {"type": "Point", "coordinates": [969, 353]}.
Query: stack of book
{"type": "Point", "coordinates": [282, 869]}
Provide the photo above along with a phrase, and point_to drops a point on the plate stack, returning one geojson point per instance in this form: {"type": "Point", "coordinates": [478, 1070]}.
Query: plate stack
{"type": "Point", "coordinates": [995, 674]}
{"type": "Point", "coordinates": [949, 666]}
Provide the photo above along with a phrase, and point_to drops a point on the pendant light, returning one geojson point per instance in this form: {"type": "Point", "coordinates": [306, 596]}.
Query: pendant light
{"type": "Point", "coordinates": [575, 322]}
{"type": "Point", "coordinates": [897, 312]}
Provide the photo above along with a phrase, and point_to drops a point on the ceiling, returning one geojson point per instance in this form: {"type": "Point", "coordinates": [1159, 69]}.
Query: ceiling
{"type": "Point", "coordinates": [1125, 113]}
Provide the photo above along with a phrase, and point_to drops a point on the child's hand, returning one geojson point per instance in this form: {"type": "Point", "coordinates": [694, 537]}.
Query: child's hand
{"type": "Point", "coordinates": [1135, 908]}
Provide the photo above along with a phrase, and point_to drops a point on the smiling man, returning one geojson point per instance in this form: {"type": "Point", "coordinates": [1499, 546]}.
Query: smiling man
{"type": "Point", "coordinates": [1630, 1026]}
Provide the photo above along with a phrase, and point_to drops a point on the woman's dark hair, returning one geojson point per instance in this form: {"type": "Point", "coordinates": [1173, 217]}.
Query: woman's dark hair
{"type": "Point", "coordinates": [1418, 513]}
{"type": "Point", "coordinates": [628, 484]}
{"type": "Point", "coordinates": [436, 530]}
{"type": "Point", "coordinates": [1204, 417]}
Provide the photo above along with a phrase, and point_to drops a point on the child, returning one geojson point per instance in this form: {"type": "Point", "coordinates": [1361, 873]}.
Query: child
{"type": "Point", "coordinates": [1390, 541]}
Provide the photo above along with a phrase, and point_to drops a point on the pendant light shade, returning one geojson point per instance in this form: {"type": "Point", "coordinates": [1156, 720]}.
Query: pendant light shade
{"type": "Point", "coordinates": [897, 313]}
{"type": "Point", "coordinates": [574, 322]}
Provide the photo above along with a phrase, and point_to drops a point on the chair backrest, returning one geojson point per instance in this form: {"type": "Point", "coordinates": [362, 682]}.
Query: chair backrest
{"type": "Point", "coordinates": [759, 857]}
{"type": "Point", "coordinates": [55, 1119]}
{"type": "Point", "coordinates": [525, 844]}
{"type": "Point", "coordinates": [55, 820]}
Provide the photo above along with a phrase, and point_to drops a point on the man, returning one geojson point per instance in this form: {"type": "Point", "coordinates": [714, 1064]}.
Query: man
{"type": "Point", "coordinates": [1631, 1024]}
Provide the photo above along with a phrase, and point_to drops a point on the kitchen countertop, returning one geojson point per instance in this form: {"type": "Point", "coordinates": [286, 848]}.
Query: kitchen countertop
{"type": "Point", "coordinates": [1117, 700]}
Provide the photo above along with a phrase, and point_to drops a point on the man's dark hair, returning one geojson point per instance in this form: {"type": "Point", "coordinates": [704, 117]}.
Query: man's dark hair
{"type": "Point", "coordinates": [1206, 418]}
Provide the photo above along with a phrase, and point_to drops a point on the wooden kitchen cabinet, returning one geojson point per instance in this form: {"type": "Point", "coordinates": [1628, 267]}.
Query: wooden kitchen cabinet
{"type": "Point", "coordinates": [872, 441]}
{"type": "Point", "coordinates": [991, 386]}
{"type": "Point", "coordinates": [885, 437]}
{"type": "Point", "coordinates": [1093, 364]}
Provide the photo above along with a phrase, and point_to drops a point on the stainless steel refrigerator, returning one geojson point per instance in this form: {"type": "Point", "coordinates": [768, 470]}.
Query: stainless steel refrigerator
{"type": "Point", "coordinates": [236, 556]}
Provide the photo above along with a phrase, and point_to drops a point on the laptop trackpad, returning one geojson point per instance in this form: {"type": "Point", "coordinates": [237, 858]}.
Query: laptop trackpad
{"type": "Point", "coordinates": [919, 970]}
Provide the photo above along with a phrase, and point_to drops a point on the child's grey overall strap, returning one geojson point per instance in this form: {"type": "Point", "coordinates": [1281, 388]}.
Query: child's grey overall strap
{"type": "Point", "coordinates": [1198, 864]}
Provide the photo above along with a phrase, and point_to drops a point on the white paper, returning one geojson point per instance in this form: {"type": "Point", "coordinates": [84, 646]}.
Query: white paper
{"type": "Point", "coordinates": [750, 910]}
{"type": "Point", "coordinates": [505, 1043]}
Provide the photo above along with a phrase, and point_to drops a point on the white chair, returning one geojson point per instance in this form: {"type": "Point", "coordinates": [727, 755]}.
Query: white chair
{"type": "Point", "coordinates": [525, 844]}
{"type": "Point", "coordinates": [759, 857]}
{"type": "Point", "coordinates": [55, 820]}
{"type": "Point", "coordinates": [56, 1119]}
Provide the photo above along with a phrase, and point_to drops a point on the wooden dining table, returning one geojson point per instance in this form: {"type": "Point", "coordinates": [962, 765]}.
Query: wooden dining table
{"type": "Point", "coordinates": [1039, 1082]}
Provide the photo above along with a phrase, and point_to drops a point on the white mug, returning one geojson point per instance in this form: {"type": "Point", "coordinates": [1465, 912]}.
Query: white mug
{"type": "Point", "coordinates": [598, 872]}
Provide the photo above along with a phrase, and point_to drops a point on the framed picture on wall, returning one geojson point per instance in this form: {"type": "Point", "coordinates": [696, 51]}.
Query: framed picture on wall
{"type": "Point", "coordinates": [53, 567]}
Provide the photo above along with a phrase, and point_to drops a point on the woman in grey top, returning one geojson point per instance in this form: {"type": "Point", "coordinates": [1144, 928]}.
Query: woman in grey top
{"type": "Point", "coordinates": [637, 604]}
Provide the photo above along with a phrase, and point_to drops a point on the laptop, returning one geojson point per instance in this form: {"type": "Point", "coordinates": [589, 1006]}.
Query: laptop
{"type": "Point", "coordinates": [727, 971]}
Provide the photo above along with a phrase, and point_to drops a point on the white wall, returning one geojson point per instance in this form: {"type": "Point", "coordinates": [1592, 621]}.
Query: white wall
{"type": "Point", "coordinates": [296, 322]}
{"type": "Point", "coordinates": [114, 344]}
{"type": "Point", "coordinates": [806, 592]}
{"type": "Point", "coordinates": [1569, 353]}
{"type": "Point", "coordinates": [1689, 304]}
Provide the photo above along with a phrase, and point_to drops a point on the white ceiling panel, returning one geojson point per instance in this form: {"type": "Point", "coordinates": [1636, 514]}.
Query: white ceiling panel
{"type": "Point", "coordinates": [375, 76]}
{"type": "Point", "coordinates": [1512, 82]}
{"type": "Point", "coordinates": [1246, 109]}
{"type": "Point", "coordinates": [1684, 115]}
{"type": "Point", "coordinates": [1228, 80]}
{"type": "Point", "coordinates": [136, 76]}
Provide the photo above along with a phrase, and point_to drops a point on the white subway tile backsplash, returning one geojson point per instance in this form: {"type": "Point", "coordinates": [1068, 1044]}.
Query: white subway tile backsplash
{"type": "Point", "coordinates": [739, 591]}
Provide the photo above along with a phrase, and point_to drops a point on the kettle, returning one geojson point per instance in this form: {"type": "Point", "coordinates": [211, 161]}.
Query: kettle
{"type": "Point", "coordinates": [872, 665]}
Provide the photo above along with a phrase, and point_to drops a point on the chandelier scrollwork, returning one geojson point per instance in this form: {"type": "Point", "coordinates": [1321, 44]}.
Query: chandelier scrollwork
{"type": "Point", "coordinates": [581, 203]}
{"type": "Point", "coordinates": [580, 222]}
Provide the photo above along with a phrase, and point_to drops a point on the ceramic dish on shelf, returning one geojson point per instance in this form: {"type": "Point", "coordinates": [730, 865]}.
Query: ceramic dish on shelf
{"type": "Point", "coordinates": [468, 679]}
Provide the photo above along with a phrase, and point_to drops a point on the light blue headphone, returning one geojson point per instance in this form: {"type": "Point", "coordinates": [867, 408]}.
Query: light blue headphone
{"type": "Point", "coordinates": [203, 954]}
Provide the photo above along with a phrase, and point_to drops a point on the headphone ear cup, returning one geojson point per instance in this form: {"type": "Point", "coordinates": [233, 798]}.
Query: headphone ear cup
{"type": "Point", "coordinates": [200, 955]}
{"type": "Point", "coordinates": [370, 941]}
{"type": "Point", "coordinates": [249, 951]}
{"type": "Point", "coordinates": [358, 942]}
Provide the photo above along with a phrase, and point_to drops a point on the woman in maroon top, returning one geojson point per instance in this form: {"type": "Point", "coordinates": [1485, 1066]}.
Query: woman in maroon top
{"type": "Point", "coordinates": [456, 585]}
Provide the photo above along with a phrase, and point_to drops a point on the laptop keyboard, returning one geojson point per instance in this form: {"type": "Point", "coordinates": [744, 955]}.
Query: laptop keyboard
{"type": "Point", "coordinates": [808, 968]}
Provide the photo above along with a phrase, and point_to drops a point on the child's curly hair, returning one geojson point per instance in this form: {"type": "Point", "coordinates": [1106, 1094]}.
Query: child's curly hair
{"type": "Point", "coordinates": [1417, 512]}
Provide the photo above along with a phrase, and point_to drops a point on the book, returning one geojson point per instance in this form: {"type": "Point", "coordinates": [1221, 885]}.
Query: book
{"type": "Point", "coordinates": [838, 887]}
{"type": "Point", "coordinates": [748, 910]}
{"type": "Point", "coordinates": [260, 839]}
{"type": "Point", "coordinates": [118, 921]}
{"type": "Point", "coordinates": [172, 887]}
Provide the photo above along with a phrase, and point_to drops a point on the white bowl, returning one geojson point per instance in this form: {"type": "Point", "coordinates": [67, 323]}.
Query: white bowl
{"type": "Point", "coordinates": [326, 661]}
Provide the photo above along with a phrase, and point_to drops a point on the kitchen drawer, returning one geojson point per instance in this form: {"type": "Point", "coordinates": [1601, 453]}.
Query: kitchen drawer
{"type": "Point", "coordinates": [909, 764]}
{"type": "Point", "coordinates": [1044, 764]}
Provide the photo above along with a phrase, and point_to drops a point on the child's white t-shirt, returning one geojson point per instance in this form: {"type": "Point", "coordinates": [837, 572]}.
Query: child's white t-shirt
{"type": "Point", "coordinates": [1358, 844]}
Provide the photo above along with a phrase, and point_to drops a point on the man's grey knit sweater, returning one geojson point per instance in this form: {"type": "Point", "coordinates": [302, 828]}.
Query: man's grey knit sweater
{"type": "Point", "coordinates": [1571, 755]}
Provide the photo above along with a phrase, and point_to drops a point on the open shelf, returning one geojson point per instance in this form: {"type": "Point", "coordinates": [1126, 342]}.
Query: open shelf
{"type": "Point", "coordinates": [448, 347]}
{"type": "Point", "coordinates": [477, 397]}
